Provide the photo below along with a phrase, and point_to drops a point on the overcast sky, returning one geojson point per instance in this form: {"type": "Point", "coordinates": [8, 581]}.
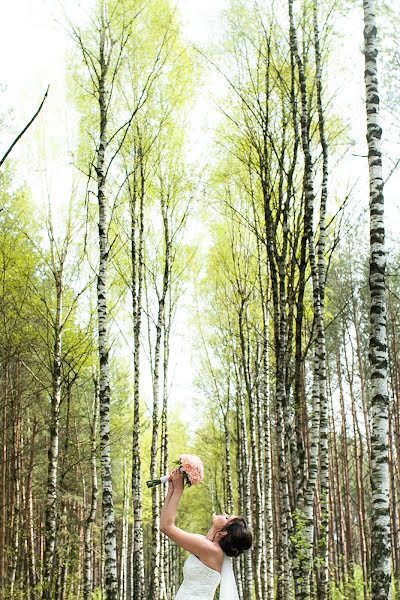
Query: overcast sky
{"type": "Point", "coordinates": [33, 43]}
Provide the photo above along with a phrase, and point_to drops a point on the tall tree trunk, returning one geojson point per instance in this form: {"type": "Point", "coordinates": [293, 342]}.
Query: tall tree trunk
{"type": "Point", "coordinates": [53, 452]}
{"type": "Point", "coordinates": [29, 511]}
{"type": "Point", "coordinates": [165, 544]}
{"type": "Point", "coordinates": [318, 465]}
{"type": "Point", "coordinates": [160, 328]}
{"type": "Point", "coordinates": [137, 257]}
{"type": "Point", "coordinates": [228, 464]}
{"type": "Point", "coordinates": [348, 519]}
{"type": "Point", "coordinates": [109, 527]}
{"type": "Point", "coordinates": [251, 401]}
{"type": "Point", "coordinates": [278, 293]}
{"type": "Point", "coordinates": [244, 485]}
{"type": "Point", "coordinates": [380, 526]}
{"type": "Point", "coordinates": [91, 518]}
{"type": "Point", "coordinates": [269, 519]}
{"type": "Point", "coordinates": [394, 528]}
{"type": "Point", "coordinates": [16, 472]}
{"type": "Point", "coordinates": [123, 572]}
{"type": "Point", "coordinates": [264, 437]}
{"type": "Point", "coordinates": [3, 489]}
{"type": "Point", "coordinates": [337, 538]}
{"type": "Point", "coordinates": [239, 564]}
{"type": "Point", "coordinates": [394, 362]}
{"type": "Point", "coordinates": [324, 424]}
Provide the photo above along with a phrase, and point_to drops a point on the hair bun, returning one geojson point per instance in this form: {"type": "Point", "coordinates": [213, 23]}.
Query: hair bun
{"type": "Point", "coordinates": [237, 539]}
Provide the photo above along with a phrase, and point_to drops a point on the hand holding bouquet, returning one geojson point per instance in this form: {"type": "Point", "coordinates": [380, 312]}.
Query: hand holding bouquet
{"type": "Point", "coordinates": [191, 468]}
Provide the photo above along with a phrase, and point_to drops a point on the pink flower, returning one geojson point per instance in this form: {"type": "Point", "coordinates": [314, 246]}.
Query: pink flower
{"type": "Point", "coordinates": [193, 467]}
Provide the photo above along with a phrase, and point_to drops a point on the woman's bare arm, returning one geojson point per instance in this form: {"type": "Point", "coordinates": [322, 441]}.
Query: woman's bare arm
{"type": "Point", "coordinates": [200, 546]}
{"type": "Point", "coordinates": [175, 491]}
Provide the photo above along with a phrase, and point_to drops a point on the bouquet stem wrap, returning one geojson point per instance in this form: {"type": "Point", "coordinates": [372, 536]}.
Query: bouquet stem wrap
{"type": "Point", "coordinates": [191, 468]}
{"type": "Point", "coordinates": [153, 482]}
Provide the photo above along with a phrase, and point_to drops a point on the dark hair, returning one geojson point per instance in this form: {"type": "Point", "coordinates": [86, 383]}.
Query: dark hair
{"type": "Point", "coordinates": [238, 537]}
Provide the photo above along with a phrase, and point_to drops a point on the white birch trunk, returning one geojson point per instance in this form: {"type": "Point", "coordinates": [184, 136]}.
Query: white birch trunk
{"type": "Point", "coordinates": [255, 573]}
{"type": "Point", "coordinates": [319, 428]}
{"type": "Point", "coordinates": [228, 464]}
{"type": "Point", "coordinates": [109, 528]}
{"type": "Point", "coordinates": [137, 590]}
{"type": "Point", "coordinates": [31, 553]}
{"type": "Point", "coordinates": [123, 572]}
{"type": "Point", "coordinates": [88, 533]}
{"type": "Point", "coordinates": [380, 527]}
{"type": "Point", "coordinates": [53, 452]}
{"type": "Point", "coordinates": [165, 544]}
{"type": "Point", "coordinates": [246, 465]}
{"type": "Point", "coordinates": [324, 421]}
{"type": "Point", "coordinates": [160, 328]}
{"type": "Point", "coordinates": [264, 441]}
{"type": "Point", "coordinates": [269, 519]}
{"type": "Point", "coordinates": [16, 520]}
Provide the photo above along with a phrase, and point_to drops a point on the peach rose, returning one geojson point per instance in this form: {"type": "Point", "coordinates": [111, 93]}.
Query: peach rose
{"type": "Point", "coordinates": [193, 467]}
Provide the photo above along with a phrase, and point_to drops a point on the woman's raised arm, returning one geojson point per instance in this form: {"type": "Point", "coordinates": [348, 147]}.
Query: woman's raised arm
{"type": "Point", "coordinates": [194, 543]}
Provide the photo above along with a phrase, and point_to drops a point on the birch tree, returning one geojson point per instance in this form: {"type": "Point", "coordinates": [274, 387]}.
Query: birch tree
{"type": "Point", "coordinates": [105, 57]}
{"type": "Point", "coordinates": [91, 517]}
{"type": "Point", "coordinates": [380, 528]}
{"type": "Point", "coordinates": [58, 259]}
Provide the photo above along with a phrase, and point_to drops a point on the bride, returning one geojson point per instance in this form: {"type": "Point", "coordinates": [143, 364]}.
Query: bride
{"type": "Point", "coordinates": [208, 564]}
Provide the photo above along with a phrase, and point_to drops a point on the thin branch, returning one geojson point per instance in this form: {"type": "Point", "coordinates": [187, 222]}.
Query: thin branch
{"type": "Point", "coordinates": [25, 128]}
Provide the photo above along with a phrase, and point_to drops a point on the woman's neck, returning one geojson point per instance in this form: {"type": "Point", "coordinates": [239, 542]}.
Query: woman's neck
{"type": "Point", "coordinates": [211, 534]}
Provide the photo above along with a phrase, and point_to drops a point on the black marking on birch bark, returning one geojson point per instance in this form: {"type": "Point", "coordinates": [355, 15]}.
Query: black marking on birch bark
{"type": "Point", "coordinates": [380, 551]}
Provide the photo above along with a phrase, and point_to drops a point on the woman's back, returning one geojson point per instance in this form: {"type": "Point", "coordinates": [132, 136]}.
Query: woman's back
{"type": "Point", "coordinates": [200, 581]}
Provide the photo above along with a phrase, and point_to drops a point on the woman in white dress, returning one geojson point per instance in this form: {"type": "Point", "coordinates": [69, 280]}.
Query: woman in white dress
{"type": "Point", "coordinates": [209, 563]}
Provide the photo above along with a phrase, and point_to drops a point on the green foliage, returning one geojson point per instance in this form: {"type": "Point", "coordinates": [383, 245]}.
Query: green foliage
{"type": "Point", "coordinates": [353, 587]}
{"type": "Point", "coordinates": [301, 546]}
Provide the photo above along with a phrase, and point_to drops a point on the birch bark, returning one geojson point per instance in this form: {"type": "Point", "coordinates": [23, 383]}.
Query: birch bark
{"type": "Point", "coordinates": [380, 526]}
{"type": "Point", "coordinates": [31, 553]}
{"type": "Point", "coordinates": [123, 571]}
{"type": "Point", "coordinates": [244, 463]}
{"type": "Point", "coordinates": [318, 463]}
{"type": "Point", "coordinates": [109, 527]}
{"type": "Point", "coordinates": [53, 451]}
{"type": "Point", "coordinates": [166, 583]}
{"type": "Point", "coordinates": [3, 465]}
{"type": "Point", "coordinates": [255, 574]}
{"type": "Point", "coordinates": [160, 330]}
{"type": "Point", "coordinates": [90, 520]}
{"type": "Point", "coordinates": [138, 591]}
{"type": "Point", "coordinates": [17, 443]}
{"type": "Point", "coordinates": [324, 422]}
{"type": "Point", "coordinates": [347, 521]}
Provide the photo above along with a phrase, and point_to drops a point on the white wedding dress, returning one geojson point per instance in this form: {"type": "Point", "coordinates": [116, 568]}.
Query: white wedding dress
{"type": "Point", "coordinates": [200, 582]}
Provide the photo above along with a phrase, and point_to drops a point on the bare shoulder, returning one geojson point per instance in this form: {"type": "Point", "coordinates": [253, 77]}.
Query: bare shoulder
{"type": "Point", "coordinates": [215, 558]}
{"type": "Point", "coordinates": [210, 553]}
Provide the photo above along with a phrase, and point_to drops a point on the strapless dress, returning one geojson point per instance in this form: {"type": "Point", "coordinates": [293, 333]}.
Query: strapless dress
{"type": "Point", "coordinates": [199, 581]}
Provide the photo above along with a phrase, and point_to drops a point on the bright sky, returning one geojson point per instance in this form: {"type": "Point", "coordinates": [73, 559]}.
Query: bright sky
{"type": "Point", "coordinates": [33, 35]}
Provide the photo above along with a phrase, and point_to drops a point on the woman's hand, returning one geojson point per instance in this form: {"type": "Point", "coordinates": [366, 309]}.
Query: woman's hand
{"type": "Point", "coordinates": [170, 486]}
{"type": "Point", "coordinates": [168, 511]}
{"type": "Point", "coordinates": [176, 480]}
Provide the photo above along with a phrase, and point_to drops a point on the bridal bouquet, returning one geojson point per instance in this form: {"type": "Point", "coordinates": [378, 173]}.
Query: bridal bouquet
{"type": "Point", "coordinates": [191, 468]}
